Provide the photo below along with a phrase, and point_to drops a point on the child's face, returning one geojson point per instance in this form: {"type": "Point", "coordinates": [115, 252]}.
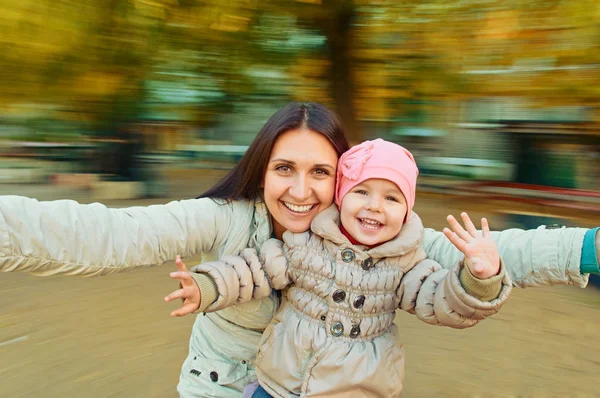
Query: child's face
{"type": "Point", "coordinates": [373, 211]}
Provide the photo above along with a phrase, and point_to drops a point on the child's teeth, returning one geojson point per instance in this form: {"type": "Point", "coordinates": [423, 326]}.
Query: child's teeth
{"type": "Point", "coordinates": [371, 224]}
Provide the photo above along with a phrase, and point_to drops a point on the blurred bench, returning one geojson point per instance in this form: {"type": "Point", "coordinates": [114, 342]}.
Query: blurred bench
{"type": "Point", "coordinates": [215, 152]}
{"type": "Point", "coordinates": [213, 156]}
{"type": "Point", "coordinates": [22, 175]}
{"type": "Point", "coordinates": [479, 169]}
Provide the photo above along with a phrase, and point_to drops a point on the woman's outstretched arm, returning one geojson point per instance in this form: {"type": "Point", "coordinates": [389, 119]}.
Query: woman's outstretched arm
{"type": "Point", "coordinates": [65, 237]}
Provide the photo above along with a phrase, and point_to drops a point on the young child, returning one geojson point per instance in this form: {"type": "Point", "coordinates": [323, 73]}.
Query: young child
{"type": "Point", "coordinates": [334, 333]}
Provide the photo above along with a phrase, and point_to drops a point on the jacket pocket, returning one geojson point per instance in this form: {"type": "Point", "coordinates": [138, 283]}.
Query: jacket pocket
{"type": "Point", "coordinates": [227, 381]}
{"type": "Point", "coordinates": [395, 355]}
{"type": "Point", "coordinates": [219, 371]}
{"type": "Point", "coordinates": [266, 341]}
{"type": "Point", "coordinates": [282, 359]}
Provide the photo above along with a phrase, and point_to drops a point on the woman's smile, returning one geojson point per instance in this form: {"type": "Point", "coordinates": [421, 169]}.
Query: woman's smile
{"type": "Point", "coordinates": [299, 209]}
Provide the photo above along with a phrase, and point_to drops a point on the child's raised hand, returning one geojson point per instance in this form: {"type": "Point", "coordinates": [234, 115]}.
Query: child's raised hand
{"type": "Point", "coordinates": [189, 292]}
{"type": "Point", "coordinates": [480, 250]}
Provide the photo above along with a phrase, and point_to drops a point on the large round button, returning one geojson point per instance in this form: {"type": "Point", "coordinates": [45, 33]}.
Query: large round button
{"type": "Point", "coordinates": [337, 329]}
{"type": "Point", "coordinates": [355, 331]}
{"type": "Point", "coordinates": [359, 301]}
{"type": "Point", "coordinates": [367, 264]}
{"type": "Point", "coordinates": [214, 376]}
{"type": "Point", "coordinates": [347, 255]}
{"type": "Point", "coordinates": [338, 296]}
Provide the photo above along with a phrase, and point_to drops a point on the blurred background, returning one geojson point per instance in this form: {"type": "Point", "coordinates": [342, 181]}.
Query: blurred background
{"type": "Point", "coordinates": [476, 89]}
{"type": "Point", "coordinates": [133, 102]}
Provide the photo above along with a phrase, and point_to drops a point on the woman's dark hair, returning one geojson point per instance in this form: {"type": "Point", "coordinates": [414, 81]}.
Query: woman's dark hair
{"type": "Point", "coordinates": [244, 180]}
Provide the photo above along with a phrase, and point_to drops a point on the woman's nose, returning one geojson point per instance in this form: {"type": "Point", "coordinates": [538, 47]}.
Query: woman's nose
{"type": "Point", "coordinates": [300, 190]}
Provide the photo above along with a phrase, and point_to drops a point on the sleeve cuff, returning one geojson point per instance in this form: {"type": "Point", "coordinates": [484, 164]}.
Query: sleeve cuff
{"type": "Point", "coordinates": [208, 290]}
{"type": "Point", "coordinates": [589, 256]}
{"type": "Point", "coordinates": [482, 289]}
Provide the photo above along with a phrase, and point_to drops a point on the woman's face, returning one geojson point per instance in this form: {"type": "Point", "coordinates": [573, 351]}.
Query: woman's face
{"type": "Point", "coordinates": [300, 179]}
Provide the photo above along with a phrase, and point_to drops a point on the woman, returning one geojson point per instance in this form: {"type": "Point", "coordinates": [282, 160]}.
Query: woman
{"type": "Point", "coordinates": [281, 183]}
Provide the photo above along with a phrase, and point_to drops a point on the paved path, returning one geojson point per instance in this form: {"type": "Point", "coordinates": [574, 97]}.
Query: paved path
{"type": "Point", "coordinates": [112, 336]}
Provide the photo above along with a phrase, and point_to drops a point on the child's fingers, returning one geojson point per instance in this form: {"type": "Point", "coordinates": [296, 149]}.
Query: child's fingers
{"type": "Point", "coordinates": [180, 265]}
{"type": "Point", "coordinates": [177, 294]}
{"type": "Point", "coordinates": [184, 310]}
{"type": "Point", "coordinates": [469, 224]}
{"type": "Point", "coordinates": [456, 240]}
{"type": "Point", "coordinates": [184, 276]}
{"type": "Point", "coordinates": [485, 228]}
{"type": "Point", "coordinates": [458, 229]}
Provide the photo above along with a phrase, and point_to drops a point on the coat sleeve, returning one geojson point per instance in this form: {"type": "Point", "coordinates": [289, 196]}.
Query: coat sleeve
{"type": "Point", "coordinates": [65, 237]}
{"type": "Point", "coordinates": [237, 280]}
{"type": "Point", "coordinates": [273, 256]}
{"type": "Point", "coordinates": [436, 296]}
{"type": "Point", "coordinates": [534, 257]}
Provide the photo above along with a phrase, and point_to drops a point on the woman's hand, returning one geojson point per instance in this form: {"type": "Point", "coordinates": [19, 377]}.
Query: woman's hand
{"type": "Point", "coordinates": [189, 292]}
{"type": "Point", "coordinates": [481, 252]}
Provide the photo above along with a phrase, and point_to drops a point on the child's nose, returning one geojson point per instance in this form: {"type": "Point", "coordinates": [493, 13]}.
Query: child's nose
{"type": "Point", "coordinates": [375, 203]}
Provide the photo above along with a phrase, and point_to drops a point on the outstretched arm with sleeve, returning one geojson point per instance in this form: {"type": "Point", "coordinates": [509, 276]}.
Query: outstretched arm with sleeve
{"type": "Point", "coordinates": [453, 298]}
{"type": "Point", "coordinates": [472, 290]}
{"type": "Point", "coordinates": [537, 257]}
{"type": "Point", "coordinates": [65, 237]}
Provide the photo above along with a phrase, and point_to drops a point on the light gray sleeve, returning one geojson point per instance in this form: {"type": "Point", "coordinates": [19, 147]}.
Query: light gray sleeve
{"type": "Point", "coordinates": [535, 257]}
{"type": "Point", "coordinates": [65, 237]}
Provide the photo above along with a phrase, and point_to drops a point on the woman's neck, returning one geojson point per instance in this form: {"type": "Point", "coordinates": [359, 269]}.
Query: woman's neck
{"type": "Point", "coordinates": [278, 230]}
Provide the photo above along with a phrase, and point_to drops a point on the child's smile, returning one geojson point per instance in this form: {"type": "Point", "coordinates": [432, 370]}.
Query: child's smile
{"type": "Point", "coordinates": [373, 211]}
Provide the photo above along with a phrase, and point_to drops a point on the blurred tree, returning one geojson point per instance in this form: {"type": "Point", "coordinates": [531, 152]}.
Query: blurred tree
{"type": "Point", "coordinates": [375, 61]}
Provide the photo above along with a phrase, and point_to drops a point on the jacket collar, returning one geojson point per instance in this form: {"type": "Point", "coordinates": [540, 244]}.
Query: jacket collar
{"type": "Point", "coordinates": [327, 225]}
{"type": "Point", "coordinates": [263, 229]}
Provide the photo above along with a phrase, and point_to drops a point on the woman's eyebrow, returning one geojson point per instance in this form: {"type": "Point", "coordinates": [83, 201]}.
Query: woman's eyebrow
{"type": "Point", "coordinates": [324, 165]}
{"type": "Point", "coordinates": [283, 160]}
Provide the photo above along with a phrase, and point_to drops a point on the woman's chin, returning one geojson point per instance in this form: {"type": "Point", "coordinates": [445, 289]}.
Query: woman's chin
{"type": "Point", "coordinates": [298, 228]}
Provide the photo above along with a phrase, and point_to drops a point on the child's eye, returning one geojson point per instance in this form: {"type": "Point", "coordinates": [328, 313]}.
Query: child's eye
{"type": "Point", "coordinates": [391, 198]}
{"type": "Point", "coordinates": [361, 192]}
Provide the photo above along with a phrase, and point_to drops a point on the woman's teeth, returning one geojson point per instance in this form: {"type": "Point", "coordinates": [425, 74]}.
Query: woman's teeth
{"type": "Point", "coordinates": [298, 209]}
{"type": "Point", "coordinates": [370, 224]}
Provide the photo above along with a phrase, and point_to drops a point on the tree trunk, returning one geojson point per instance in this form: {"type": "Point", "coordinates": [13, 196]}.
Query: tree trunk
{"type": "Point", "coordinates": [336, 27]}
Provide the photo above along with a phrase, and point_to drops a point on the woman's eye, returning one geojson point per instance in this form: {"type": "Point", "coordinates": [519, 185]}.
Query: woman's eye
{"type": "Point", "coordinates": [321, 172]}
{"type": "Point", "coordinates": [283, 168]}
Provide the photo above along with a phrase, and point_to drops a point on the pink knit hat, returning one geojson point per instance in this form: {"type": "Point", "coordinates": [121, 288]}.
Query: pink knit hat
{"type": "Point", "coordinates": [377, 159]}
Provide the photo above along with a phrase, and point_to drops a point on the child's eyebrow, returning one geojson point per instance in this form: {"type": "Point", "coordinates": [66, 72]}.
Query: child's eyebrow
{"type": "Point", "coordinates": [393, 192]}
